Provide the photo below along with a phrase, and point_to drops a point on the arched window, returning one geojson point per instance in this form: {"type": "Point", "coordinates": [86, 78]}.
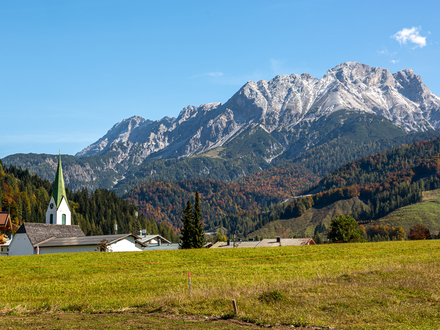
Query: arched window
{"type": "Point", "coordinates": [64, 219]}
{"type": "Point", "coordinates": [51, 219]}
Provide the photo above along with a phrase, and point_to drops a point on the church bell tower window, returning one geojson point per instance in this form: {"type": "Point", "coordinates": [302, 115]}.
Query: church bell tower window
{"type": "Point", "coordinates": [51, 219]}
{"type": "Point", "coordinates": [64, 219]}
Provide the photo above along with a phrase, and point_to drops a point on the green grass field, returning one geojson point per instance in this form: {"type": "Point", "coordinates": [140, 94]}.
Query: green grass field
{"type": "Point", "coordinates": [426, 213]}
{"type": "Point", "coordinates": [349, 286]}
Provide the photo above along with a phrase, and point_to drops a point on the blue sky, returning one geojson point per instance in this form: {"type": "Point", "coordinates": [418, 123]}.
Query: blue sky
{"type": "Point", "coordinates": [70, 70]}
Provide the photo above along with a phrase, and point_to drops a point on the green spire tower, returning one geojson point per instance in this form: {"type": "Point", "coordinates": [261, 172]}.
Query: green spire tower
{"type": "Point", "coordinates": [58, 211]}
{"type": "Point", "coordinates": [58, 185]}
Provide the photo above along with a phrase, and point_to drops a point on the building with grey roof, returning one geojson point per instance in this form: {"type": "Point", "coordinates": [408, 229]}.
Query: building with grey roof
{"type": "Point", "coordinates": [41, 238]}
{"type": "Point", "coordinates": [156, 242]}
{"type": "Point", "coordinates": [268, 242]}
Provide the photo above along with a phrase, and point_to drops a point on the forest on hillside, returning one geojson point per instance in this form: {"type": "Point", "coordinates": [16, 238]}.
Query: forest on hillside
{"type": "Point", "coordinates": [27, 196]}
{"type": "Point", "coordinates": [228, 203]}
{"type": "Point", "coordinates": [384, 182]}
{"type": "Point", "coordinates": [164, 200]}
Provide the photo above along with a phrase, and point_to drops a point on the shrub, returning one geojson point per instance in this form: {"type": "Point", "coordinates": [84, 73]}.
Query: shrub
{"type": "Point", "coordinates": [419, 232]}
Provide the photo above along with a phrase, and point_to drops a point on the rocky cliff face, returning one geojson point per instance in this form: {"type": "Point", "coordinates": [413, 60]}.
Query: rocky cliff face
{"type": "Point", "coordinates": [283, 104]}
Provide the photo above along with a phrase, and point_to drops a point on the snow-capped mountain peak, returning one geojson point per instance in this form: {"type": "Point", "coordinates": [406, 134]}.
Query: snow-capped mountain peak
{"type": "Point", "coordinates": [282, 104]}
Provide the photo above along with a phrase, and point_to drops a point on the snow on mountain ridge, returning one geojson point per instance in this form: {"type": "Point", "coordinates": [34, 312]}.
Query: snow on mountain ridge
{"type": "Point", "coordinates": [283, 102]}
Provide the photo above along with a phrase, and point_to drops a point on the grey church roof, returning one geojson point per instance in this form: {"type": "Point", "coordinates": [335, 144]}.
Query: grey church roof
{"type": "Point", "coordinates": [39, 232]}
{"type": "Point", "coordinates": [85, 240]}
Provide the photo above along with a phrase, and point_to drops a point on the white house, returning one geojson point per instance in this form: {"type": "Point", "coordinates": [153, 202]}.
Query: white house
{"type": "Point", "coordinates": [4, 248]}
{"type": "Point", "coordinates": [156, 242]}
{"type": "Point", "coordinates": [30, 235]}
{"type": "Point", "coordinates": [112, 243]}
{"type": "Point", "coordinates": [42, 238]}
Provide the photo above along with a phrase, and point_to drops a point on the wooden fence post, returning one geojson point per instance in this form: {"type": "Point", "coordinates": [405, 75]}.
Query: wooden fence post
{"type": "Point", "coordinates": [235, 306]}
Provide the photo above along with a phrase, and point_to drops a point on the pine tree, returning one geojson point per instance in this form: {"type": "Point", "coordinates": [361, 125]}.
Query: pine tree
{"type": "Point", "coordinates": [192, 234]}
{"type": "Point", "coordinates": [187, 230]}
{"type": "Point", "coordinates": [198, 234]}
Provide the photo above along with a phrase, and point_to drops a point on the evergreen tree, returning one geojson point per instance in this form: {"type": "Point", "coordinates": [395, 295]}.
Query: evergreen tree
{"type": "Point", "coordinates": [317, 239]}
{"type": "Point", "coordinates": [198, 237]}
{"type": "Point", "coordinates": [193, 235]}
{"type": "Point", "coordinates": [187, 230]}
{"type": "Point", "coordinates": [344, 229]}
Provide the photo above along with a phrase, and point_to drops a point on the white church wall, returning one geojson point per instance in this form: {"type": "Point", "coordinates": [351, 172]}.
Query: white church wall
{"type": "Point", "coordinates": [63, 209]}
{"type": "Point", "coordinates": [58, 214]}
{"type": "Point", "coordinates": [21, 246]}
{"type": "Point", "coordinates": [50, 211]}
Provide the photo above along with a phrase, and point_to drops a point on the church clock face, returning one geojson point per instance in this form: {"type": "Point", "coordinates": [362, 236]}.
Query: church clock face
{"type": "Point", "coordinates": [51, 206]}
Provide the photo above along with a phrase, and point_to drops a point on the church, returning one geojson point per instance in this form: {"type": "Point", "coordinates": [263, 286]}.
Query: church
{"type": "Point", "coordinates": [58, 235]}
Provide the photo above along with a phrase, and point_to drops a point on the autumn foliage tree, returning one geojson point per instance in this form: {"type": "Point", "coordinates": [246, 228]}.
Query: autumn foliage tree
{"type": "Point", "coordinates": [419, 232]}
{"type": "Point", "coordinates": [384, 232]}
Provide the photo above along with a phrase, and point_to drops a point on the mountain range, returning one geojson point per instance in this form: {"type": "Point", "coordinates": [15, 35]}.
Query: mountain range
{"type": "Point", "coordinates": [262, 125]}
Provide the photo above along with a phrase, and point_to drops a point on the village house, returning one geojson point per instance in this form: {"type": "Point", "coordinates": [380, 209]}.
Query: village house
{"type": "Point", "coordinates": [41, 238]}
{"type": "Point", "coordinates": [6, 226]}
{"type": "Point", "coordinates": [267, 242]}
{"type": "Point", "coordinates": [156, 242]}
{"type": "Point", "coordinates": [5, 222]}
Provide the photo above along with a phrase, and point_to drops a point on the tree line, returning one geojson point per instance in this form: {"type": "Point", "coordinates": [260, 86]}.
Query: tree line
{"type": "Point", "coordinates": [345, 228]}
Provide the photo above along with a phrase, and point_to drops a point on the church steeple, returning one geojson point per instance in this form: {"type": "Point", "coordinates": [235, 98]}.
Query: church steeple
{"type": "Point", "coordinates": [58, 211]}
{"type": "Point", "coordinates": [58, 185]}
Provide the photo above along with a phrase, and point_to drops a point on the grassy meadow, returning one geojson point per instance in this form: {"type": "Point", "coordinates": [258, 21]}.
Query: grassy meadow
{"type": "Point", "coordinates": [426, 213]}
{"type": "Point", "coordinates": [349, 286]}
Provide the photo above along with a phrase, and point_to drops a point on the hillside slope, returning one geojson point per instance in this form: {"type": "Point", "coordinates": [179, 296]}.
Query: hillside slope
{"type": "Point", "coordinates": [384, 182]}
{"type": "Point", "coordinates": [427, 213]}
{"type": "Point", "coordinates": [314, 220]}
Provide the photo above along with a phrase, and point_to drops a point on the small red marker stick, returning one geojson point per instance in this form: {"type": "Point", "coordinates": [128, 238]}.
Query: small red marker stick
{"type": "Point", "coordinates": [189, 280]}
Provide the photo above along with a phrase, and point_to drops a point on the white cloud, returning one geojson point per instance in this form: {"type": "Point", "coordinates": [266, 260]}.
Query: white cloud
{"type": "Point", "coordinates": [394, 61]}
{"type": "Point", "coordinates": [410, 35]}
